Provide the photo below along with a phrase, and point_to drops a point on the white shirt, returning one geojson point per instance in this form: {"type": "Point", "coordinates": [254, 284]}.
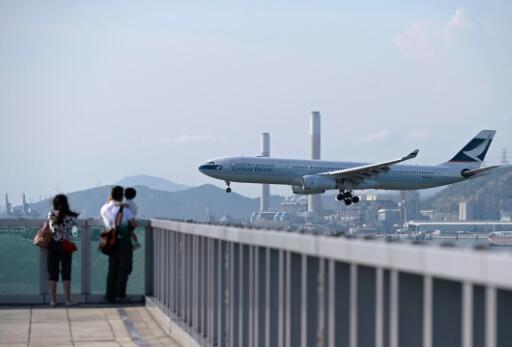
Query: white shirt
{"type": "Point", "coordinates": [109, 211]}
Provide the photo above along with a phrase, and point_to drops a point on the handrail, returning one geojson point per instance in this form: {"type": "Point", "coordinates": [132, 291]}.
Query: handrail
{"type": "Point", "coordinates": [464, 264]}
{"type": "Point", "coordinates": [80, 222]}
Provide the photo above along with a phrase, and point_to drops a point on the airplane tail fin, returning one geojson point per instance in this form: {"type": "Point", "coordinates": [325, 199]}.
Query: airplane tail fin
{"type": "Point", "coordinates": [473, 154]}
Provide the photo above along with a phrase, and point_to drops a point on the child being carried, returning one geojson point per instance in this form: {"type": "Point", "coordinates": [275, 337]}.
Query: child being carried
{"type": "Point", "coordinates": [129, 195]}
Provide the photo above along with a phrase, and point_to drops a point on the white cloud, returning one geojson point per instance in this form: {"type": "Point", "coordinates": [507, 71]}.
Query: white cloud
{"type": "Point", "coordinates": [460, 23]}
{"type": "Point", "coordinates": [425, 40]}
{"type": "Point", "coordinates": [186, 138]}
{"type": "Point", "coordinates": [376, 137]}
{"type": "Point", "coordinates": [415, 41]}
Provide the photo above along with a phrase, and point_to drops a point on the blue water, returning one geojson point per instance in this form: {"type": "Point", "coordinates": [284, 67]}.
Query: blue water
{"type": "Point", "coordinates": [19, 264]}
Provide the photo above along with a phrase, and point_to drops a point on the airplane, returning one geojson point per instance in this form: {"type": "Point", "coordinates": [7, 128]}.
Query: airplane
{"type": "Point", "coordinates": [317, 176]}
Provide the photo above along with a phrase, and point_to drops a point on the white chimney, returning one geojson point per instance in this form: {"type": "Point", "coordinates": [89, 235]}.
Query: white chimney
{"type": "Point", "coordinates": [265, 188]}
{"type": "Point", "coordinates": [315, 200]}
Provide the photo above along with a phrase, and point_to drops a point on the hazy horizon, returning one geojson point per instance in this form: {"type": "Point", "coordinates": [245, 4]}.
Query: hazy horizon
{"type": "Point", "coordinates": [93, 92]}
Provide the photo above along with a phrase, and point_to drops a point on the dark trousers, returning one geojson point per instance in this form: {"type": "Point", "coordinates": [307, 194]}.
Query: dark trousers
{"type": "Point", "coordinates": [58, 259]}
{"type": "Point", "coordinates": [119, 268]}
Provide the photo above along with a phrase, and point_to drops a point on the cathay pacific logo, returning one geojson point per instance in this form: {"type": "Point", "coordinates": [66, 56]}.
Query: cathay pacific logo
{"type": "Point", "coordinates": [474, 150]}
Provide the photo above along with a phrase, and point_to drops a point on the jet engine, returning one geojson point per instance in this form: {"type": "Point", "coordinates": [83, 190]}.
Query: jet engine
{"type": "Point", "coordinates": [302, 191]}
{"type": "Point", "coordinates": [318, 182]}
{"type": "Point", "coordinates": [466, 173]}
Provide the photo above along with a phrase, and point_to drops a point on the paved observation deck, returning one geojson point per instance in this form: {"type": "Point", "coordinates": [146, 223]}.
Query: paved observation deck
{"type": "Point", "coordinates": [81, 326]}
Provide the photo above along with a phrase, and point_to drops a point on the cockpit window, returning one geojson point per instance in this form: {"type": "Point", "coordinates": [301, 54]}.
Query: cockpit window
{"type": "Point", "coordinates": [211, 162]}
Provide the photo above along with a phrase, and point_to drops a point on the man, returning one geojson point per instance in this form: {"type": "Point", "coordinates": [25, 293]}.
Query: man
{"type": "Point", "coordinates": [121, 260]}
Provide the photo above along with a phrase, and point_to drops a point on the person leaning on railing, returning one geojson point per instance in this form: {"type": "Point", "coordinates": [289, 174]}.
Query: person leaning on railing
{"type": "Point", "coordinates": [120, 260]}
{"type": "Point", "coordinates": [61, 221]}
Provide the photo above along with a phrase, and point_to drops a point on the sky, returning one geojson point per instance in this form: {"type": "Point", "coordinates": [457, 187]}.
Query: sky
{"type": "Point", "coordinates": [93, 91]}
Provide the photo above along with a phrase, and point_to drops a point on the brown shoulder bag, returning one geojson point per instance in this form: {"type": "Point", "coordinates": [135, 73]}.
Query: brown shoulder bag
{"type": "Point", "coordinates": [43, 236]}
{"type": "Point", "coordinates": [108, 238]}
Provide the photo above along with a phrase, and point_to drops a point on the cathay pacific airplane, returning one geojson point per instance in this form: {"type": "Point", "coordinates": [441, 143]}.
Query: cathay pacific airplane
{"type": "Point", "coordinates": [317, 176]}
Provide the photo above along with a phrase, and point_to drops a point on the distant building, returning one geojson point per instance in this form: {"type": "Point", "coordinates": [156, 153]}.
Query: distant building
{"type": "Point", "coordinates": [453, 227]}
{"type": "Point", "coordinates": [410, 204]}
{"type": "Point", "coordinates": [389, 217]}
{"type": "Point", "coordinates": [227, 219]}
{"type": "Point", "coordinates": [295, 203]}
{"type": "Point", "coordinates": [465, 211]}
{"type": "Point", "coordinates": [505, 216]}
{"type": "Point", "coordinates": [426, 214]}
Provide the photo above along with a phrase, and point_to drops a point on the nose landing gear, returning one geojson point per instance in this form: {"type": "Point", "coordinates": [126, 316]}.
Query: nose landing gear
{"type": "Point", "coordinates": [228, 188]}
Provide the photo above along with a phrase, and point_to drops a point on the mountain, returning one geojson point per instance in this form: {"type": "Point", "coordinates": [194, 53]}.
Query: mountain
{"type": "Point", "coordinates": [487, 195]}
{"type": "Point", "coordinates": [157, 183]}
{"type": "Point", "coordinates": [190, 203]}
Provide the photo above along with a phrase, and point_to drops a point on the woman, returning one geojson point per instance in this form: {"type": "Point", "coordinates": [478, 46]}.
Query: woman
{"type": "Point", "coordinates": [61, 220]}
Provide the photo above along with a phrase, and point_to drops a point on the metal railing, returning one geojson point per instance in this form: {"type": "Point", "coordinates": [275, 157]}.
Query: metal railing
{"type": "Point", "coordinates": [85, 294]}
{"type": "Point", "coordinates": [227, 286]}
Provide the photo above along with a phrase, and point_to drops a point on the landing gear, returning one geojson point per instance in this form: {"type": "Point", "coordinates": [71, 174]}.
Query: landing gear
{"type": "Point", "coordinates": [228, 189]}
{"type": "Point", "coordinates": [347, 197]}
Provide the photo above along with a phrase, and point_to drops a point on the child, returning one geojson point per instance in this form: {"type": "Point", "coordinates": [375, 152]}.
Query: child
{"type": "Point", "coordinates": [129, 195]}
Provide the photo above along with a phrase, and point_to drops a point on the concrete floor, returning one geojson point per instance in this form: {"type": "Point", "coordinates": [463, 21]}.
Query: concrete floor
{"type": "Point", "coordinates": [80, 326]}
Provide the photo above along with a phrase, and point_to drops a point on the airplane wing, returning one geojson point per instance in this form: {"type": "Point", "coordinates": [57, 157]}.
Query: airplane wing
{"type": "Point", "coordinates": [360, 173]}
{"type": "Point", "coordinates": [479, 171]}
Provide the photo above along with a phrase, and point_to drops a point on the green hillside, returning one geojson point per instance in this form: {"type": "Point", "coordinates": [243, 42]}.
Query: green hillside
{"type": "Point", "coordinates": [488, 195]}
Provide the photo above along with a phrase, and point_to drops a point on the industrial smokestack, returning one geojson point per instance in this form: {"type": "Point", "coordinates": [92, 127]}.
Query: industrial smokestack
{"type": "Point", "coordinates": [315, 200]}
{"type": "Point", "coordinates": [315, 135]}
{"type": "Point", "coordinates": [265, 188]}
{"type": "Point", "coordinates": [8, 207]}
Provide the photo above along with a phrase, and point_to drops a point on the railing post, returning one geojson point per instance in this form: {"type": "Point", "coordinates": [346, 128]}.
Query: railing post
{"type": "Point", "coordinates": [490, 316]}
{"type": "Point", "coordinates": [163, 268]}
{"type": "Point", "coordinates": [171, 276]}
{"type": "Point", "coordinates": [183, 297]}
{"type": "Point", "coordinates": [282, 299]}
{"type": "Point", "coordinates": [85, 236]}
{"type": "Point", "coordinates": [467, 314]}
{"type": "Point", "coordinates": [43, 273]}
{"type": "Point", "coordinates": [266, 321]}
{"type": "Point", "coordinates": [322, 278]}
{"type": "Point", "coordinates": [148, 258]}
{"type": "Point", "coordinates": [393, 308]}
{"type": "Point", "coordinates": [331, 317]}
{"type": "Point", "coordinates": [427, 310]}
{"type": "Point", "coordinates": [223, 295]}
{"type": "Point", "coordinates": [379, 307]}
{"type": "Point", "coordinates": [169, 270]}
{"type": "Point", "coordinates": [353, 305]}
{"type": "Point", "coordinates": [304, 301]}
{"type": "Point", "coordinates": [252, 295]}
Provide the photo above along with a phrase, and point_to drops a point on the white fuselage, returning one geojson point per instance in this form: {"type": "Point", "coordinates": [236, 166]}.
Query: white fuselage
{"type": "Point", "coordinates": [291, 172]}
